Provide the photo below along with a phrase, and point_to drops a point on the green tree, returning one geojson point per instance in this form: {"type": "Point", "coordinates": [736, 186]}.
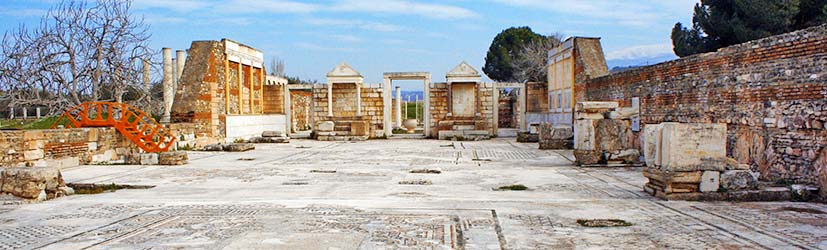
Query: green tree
{"type": "Point", "coordinates": [721, 23]}
{"type": "Point", "coordinates": [505, 50]}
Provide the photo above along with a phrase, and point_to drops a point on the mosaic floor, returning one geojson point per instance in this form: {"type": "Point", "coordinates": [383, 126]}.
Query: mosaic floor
{"type": "Point", "coordinates": [325, 195]}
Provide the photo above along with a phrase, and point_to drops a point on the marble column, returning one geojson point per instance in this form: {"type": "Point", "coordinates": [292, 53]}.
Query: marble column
{"type": "Point", "coordinates": [169, 87]}
{"type": "Point", "coordinates": [398, 107]}
{"type": "Point", "coordinates": [180, 62]}
{"type": "Point", "coordinates": [358, 99]}
{"type": "Point", "coordinates": [147, 84]}
{"type": "Point", "coordinates": [330, 99]}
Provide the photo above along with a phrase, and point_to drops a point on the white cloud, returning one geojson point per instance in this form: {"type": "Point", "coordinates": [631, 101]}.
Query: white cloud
{"type": "Point", "coordinates": [345, 23]}
{"type": "Point", "coordinates": [26, 12]}
{"type": "Point", "coordinates": [312, 46]}
{"type": "Point", "coordinates": [268, 6]}
{"type": "Point", "coordinates": [175, 5]}
{"type": "Point", "coordinates": [641, 52]}
{"type": "Point", "coordinates": [347, 38]}
{"type": "Point", "coordinates": [402, 7]}
{"type": "Point", "coordinates": [628, 13]}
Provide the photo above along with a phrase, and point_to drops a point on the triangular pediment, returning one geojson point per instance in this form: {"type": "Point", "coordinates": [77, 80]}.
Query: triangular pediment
{"type": "Point", "coordinates": [344, 70]}
{"type": "Point", "coordinates": [463, 70]}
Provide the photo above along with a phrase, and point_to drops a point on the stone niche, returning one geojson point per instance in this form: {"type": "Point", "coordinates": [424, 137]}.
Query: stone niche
{"type": "Point", "coordinates": [462, 108]}
{"type": "Point", "coordinates": [603, 134]}
{"type": "Point", "coordinates": [689, 162]}
{"type": "Point", "coordinates": [346, 109]}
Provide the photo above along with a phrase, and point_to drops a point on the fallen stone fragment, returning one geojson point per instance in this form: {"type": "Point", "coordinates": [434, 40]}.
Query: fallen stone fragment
{"type": "Point", "coordinates": [173, 158]}
{"type": "Point", "coordinates": [737, 180]}
{"type": "Point", "coordinates": [239, 147]}
{"type": "Point", "coordinates": [39, 183]}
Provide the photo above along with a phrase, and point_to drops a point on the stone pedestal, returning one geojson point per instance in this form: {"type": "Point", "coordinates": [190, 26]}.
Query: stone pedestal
{"type": "Point", "coordinates": [689, 162]}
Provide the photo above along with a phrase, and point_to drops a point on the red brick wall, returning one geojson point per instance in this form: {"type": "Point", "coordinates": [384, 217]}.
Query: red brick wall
{"type": "Point", "coordinates": [772, 94]}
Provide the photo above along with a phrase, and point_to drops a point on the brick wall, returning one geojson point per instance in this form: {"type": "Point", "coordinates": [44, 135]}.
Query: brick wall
{"type": "Point", "coordinates": [771, 93]}
{"type": "Point", "coordinates": [63, 147]}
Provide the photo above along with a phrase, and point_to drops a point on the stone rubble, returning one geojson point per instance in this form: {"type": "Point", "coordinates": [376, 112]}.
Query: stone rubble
{"type": "Point", "coordinates": [37, 183]}
{"type": "Point", "coordinates": [603, 138]}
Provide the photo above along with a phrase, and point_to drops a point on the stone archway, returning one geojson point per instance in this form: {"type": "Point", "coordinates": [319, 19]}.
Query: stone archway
{"type": "Point", "coordinates": [425, 77]}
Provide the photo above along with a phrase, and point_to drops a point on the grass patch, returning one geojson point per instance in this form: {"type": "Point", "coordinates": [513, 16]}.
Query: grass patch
{"type": "Point", "coordinates": [518, 187]}
{"type": "Point", "coordinates": [18, 124]}
{"type": "Point", "coordinates": [83, 188]}
{"type": "Point", "coordinates": [603, 223]}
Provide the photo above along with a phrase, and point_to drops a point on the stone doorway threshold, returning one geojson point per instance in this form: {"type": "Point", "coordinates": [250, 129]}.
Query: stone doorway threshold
{"type": "Point", "coordinates": [407, 136]}
{"type": "Point", "coordinates": [301, 135]}
{"type": "Point", "coordinates": [507, 132]}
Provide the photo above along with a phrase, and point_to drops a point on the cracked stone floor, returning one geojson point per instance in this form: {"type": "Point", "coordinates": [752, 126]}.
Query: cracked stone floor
{"type": "Point", "coordinates": [286, 196]}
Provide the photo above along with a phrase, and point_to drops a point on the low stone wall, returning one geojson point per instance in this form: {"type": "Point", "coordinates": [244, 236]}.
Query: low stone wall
{"type": "Point", "coordinates": [63, 147]}
{"type": "Point", "coordinates": [246, 127]}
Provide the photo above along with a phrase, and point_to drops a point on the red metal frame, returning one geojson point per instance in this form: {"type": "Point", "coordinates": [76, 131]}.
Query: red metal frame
{"type": "Point", "coordinates": [130, 121]}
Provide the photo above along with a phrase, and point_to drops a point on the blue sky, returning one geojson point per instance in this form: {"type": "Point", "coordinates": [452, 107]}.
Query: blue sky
{"type": "Point", "coordinates": [377, 36]}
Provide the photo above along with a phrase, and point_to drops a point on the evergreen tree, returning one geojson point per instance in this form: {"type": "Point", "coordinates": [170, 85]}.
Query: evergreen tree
{"type": "Point", "coordinates": [721, 23]}
{"type": "Point", "coordinates": [505, 50]}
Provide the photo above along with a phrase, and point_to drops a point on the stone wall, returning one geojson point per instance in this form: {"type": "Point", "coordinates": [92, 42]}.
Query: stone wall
{"type": "Point", "coordinates": [440, 121]}
{"type": "Point", "coordinates": [274, 99]}
{"type": "Point", "coordinates": [63, 147]}
{"type": "Point", "coordinates": [771, 94]}
{"type": "Point", "coordinates": [344, 108]}
{"type": "Point", "coordinates": [300, 106]}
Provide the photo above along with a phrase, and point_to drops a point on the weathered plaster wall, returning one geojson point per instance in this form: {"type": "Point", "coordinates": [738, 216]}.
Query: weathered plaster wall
{"type": "Point", "coordinates": [63, 147]}
{"type": "Point", "coordinates": [771, 93]}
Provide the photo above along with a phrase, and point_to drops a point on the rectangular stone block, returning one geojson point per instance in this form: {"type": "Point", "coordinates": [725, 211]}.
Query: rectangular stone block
{"type": "Point", "coordinates": [359, 129]}
{"type": "Point", "coordinates": [584, 138]}
{"type": "Point", "coordinates": [693, 147]}
{"type": "Point", "coordinates": [588, 116]}
{"type": "Point", "coordinates": [595, 106]}
{"type": "Point", "coordinates": [651, 144]}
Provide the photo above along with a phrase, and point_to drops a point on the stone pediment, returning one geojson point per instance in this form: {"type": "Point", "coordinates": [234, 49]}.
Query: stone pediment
{"type": "Point", "coordinates": [343, 70]}
{"type": "Point", "coordinates": [463, 70]}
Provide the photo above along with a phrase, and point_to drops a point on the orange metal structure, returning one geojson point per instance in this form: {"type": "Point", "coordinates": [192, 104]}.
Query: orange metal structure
{"type": "Point", "coordinates": [131, 122]}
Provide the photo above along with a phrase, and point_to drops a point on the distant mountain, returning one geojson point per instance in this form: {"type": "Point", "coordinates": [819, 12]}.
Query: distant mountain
{"type": "Point", "coordinates": [639, 62]}
{"type": "Point", "coordinates": [413, 95]}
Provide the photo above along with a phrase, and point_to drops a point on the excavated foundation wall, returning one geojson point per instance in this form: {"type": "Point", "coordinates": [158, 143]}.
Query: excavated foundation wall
{"type": "Point", "coordinates": [771, 94]}
{"type": "Point", "coordinates": [63, 148]}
